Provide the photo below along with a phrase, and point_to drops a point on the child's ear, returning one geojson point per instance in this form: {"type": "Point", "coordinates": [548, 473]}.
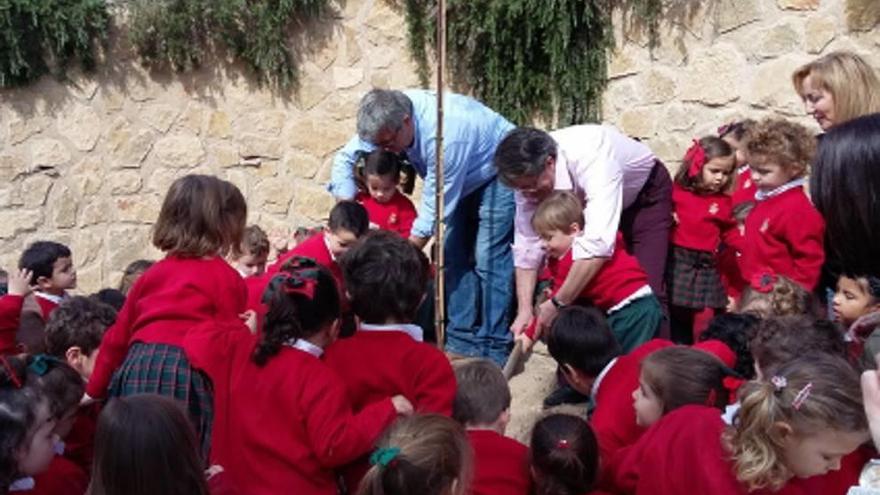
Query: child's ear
{"type": "Point", "coordinates": [574, 229]}
{"type": "Point", "coordinates": [335, 328]}
{"type": "Point", "coordinates": [782, 431]}
{"type": "Point", "coordinates": [43, 283]}
{"type": "Point", "coordinates": [74, 357]}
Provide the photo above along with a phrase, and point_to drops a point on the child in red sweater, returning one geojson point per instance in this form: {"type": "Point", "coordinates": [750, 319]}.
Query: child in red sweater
{"type": "Point", "coordinates": [799, 423]}
{"type": "Point", "coordinates": [702, 214]}
{"type": "Point", "coordinates": [734, 134]}
{"type": "Point", "coordinates": [146, 445]}
{"type": "Point", "coordinates": [18, 287]}
{"type": "Point", "coordinates": [564, 456]}
{"type": "Point", "coordinates": [386, 277]}
{"type": "Point", "coordinates": [201, 220]}
{"type": "Point", "coordinates": [251, 260]}
{"type": "Point", "coordinates": [272, 442]}
{"type": "Point", "coordinates": [52, 276]}
{"type": "Point", "coordinates": [784, 232]}
{"type": "Point", "coordinates": [388, 208]}
{"type": "Point", "coordinates": [482, 405]}
{"type": "Point", "coordinates": [620, 289]}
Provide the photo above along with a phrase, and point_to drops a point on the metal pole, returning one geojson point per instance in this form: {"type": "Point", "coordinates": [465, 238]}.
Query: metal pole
{"type": "Point", "coordinates": [439, 279]}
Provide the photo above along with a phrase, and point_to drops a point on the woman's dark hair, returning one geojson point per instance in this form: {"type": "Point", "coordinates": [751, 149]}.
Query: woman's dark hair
{"type": "Point", "coordinates": [713, 147]}
{"type": "Point", "coordinates": [292, 313]}
{"type": "Point", "coordinates": [735, 330]}
{"type": "Point", "coordinates": [846, 171]}
{"type": "Point", "coordinates": [78, 322]}
{"type": "Point", "coordinates": [201, 216]}
{"type": "Point", "coordinates": [144, 445]}
{"type": "Point", "coordinates": [386, 277]}
{"type": "Point", "coordinates": [523, 153]}
{"type": "Point", "coordinates": [18, 405]}
{"type": "Point", "coordinates": [565, 456]}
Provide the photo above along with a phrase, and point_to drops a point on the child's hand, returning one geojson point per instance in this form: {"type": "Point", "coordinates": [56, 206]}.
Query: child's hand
{"type": "Point", "coordinates": [279, 240]}
{"type": "Point", "coordinates": [674, 218]}
{"type": "Point", "coordinates": [402, 405]}
{"type": "Point", "coordinates": [527, 343]}
{"type": "Point", "coordinates": [249, 318]}
{"type": "Point", "coordinates": [20, 282]}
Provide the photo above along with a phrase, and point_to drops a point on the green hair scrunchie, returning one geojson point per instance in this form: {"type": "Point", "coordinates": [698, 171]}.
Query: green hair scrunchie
{"type": "Point", "coordinates": [384, 456]}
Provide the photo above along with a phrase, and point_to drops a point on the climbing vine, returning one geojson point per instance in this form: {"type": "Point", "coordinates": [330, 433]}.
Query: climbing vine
{"type": "Point", "coordinates": [527, 58]}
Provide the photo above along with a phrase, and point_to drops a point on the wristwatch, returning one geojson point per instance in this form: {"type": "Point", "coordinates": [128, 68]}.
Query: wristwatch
{"type": "Point", "coordinates": [556, 302]}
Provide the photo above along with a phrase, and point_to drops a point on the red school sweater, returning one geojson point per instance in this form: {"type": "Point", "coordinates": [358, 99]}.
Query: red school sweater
{"type": "Point", "coordinates": [501, 464]}
{"type": "Point", "coordinates": [745, 189]}
{"type": "Point", "coordinates": [284, 426]}
{"type": "Point", "coordinates": [784, 236]}
{"type": "Point", "coordinates": [10, 315]}
{"type": "Point", "coordinates": [170, 298]}
{"type": "Point", "coordinates": [396, 215]}
{"type": "Point", "coordinates": [620, 276]}
{"type": "Point", "coordinates": [702, 219]}
{"type": "Point", "coordinates": [79, 445]}
{"type": "Point", "coordinates": [62, 477]}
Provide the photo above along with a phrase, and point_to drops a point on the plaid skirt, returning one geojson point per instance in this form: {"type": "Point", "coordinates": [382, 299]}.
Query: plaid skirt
{"type": "Point", "coordinates": [164, 369]}
{"type": "Point", "coordinates": [693, 280]}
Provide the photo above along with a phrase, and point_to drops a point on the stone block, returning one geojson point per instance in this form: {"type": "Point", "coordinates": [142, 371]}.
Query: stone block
{"type": "Point", "coordinates": [313, 202]}
{"type": "Point", "coordinates": [657, 86]}
{"type": "Point", "coordinates": [87, 175]}
{"type": "Point", "coordinates": [722, 67]}
{"type": "Point", "coordinates": [124, 182]}
{"type": "Point", "coordinates": [638, 122]}
{"type": "Point", "coordinates": [780, 39]}
{"type": "Point", "coordinates": [347, 77]}
{"type": "Point", "coordinates": [862, 15]}
{"type": "Point", "coordinates": [219, 125]}
{"type": "Point", "coordinates": [274, 196]}
{"type": "Point", "coordinates": [252, 145]}
{"type": "Point", "coordinates": [303, 165]}
{"type": "Point", "coordinates": [11, 166]}
{"type": "Point", "coordinates": [86, 245]}
{"type": "Point", "coordinates": [81, 126]}
{"type": "Point", "coordinates": [17, 221]}
{"type": "Point", "coordinates": [224, 154]}
{"type": "Point", "coordinates": [48, 153]}
{"type": "Point", "coordinates": [130, 242]}
{"type": "Point", "coordinates": [63, 208]}
{"type": "Point", "coordinates": [798, 4]}
{"type": "Point", "coordinates": [314, 87]}
{"type": "Point", "coordinates": [138, 209]}
{"type": "Point", "coordinates": [771, 86]}
{"type": "Point", "coordinates": [179, 151]}
{"type": "Point", "coordinates": [159, 116]}
{"type": "Point", "coordinates": [22, 127]}
{"type": "Point", "coordinates": [818, 33]}
{"type": "Point", "coordinates": [733, 14]}
{"type": "Point", "coordinates": [192, 117]}
{"type": "Point", "coordinates": [624, 61]}
{"type": "Point", "coordinates": [316, 137]}
{"type": "Point", "coordinates": [678, 118]}
{"type": "Point", "coordinates": [128, 147]}
{"type": "Point", "coordinates": [96, 211]}
{"type": "Point", "coordinates": [352, 49]}
{"type": "Point", "coordinates": [89, 278]}
{"type": "Point", "coordinates": [34, 190]}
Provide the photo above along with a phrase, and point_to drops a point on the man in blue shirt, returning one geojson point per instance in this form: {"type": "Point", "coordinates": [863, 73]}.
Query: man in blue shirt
{"type": "Point", "coordinates": [478, 208]}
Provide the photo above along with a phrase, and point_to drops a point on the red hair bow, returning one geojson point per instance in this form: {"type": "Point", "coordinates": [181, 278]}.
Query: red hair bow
{"type": "Point", "coordinates": [297, 276]}
{"type": "Point", "coordinates": [696, 158]}
{"type": "Point", "coordinates": [763, 282]}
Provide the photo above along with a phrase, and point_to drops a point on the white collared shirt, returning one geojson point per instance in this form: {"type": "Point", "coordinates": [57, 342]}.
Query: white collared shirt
{"type": "Point", "coordinates": [305, 346]}
{"type": "Point", "coordinates": [761, 195]}
{"type": "Point", "coordinates": [598, 380]}
{"type": "Point", "coordinates": [413, 331]}
{"type": "Point", "coordinates": [327, 243]}
{"type": "Point", "coordinates": [50, 297]}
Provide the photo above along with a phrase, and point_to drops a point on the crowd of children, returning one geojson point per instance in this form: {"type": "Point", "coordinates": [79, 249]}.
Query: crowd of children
{"type": "Point", "coordinates": [215, 371]}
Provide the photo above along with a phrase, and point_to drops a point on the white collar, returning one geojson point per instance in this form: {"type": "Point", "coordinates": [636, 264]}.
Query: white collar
{"type": "Point", "coordinates": [761, 195]}
{"type": "Point", "coordinates": [598, 380]}
{"type": "Point", "coordinates": [327, 244]}
{"type": "Point", "coordinates": [49, 297]}
{"type": "Point", "coordinates": [23, 484]}
{"type": "Point", "coordinates": [305, 346]}
{"type": "Point", "coordinates": [742, 169]}
{"type": "Point", "coordinates": [413, 331]}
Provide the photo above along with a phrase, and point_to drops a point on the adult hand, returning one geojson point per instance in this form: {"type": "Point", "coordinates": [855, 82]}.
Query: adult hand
{"type": "Point", "coordinates": [522, 320]}
{"type": "Point", "coordinates": [418, 242]}
{"type": "Point", "coordinates": [19, 282]}
{"type": "Point", "coordinates": [871, 398]}
{"type": "Point", "coordinates": [546, 314]}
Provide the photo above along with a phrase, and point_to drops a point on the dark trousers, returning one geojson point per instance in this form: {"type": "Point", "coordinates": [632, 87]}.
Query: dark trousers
{"type": "Point", "coordinates": [646, 225]}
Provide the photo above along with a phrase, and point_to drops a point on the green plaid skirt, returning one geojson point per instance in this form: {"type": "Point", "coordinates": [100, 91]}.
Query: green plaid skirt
{"type": "Point", "coordinates": [164, 369]}
{"type": "Point", "coordinates": [692, 279]}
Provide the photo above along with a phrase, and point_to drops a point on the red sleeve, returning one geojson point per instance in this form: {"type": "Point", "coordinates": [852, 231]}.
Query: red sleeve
{"type": "Point", "coordinates": [62, 477]}
{"type": "Point", "coordinates": [804, 233]}
{"type": "Point", "coordinates": [406, 215]}
{"type": "Point", "coordinates": [10, 315]}
{"type": "Point", "coordinates": [335, 435]}
{"type": "Point", "coordinates": [211, 346]}
{"type": "Point", "coordinates": [434, 382]}
{"type": "Point", "coordinates": [114, 347]}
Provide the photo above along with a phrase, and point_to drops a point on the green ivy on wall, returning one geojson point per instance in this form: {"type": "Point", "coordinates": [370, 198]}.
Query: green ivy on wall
{"type": "Point", "coordinates": [527, 58]}
{"type": "Point", "coordinates": [37, 36]}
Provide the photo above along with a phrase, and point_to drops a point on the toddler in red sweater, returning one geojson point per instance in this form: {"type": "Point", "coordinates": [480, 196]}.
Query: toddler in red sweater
{"type": "Point", "coordinates": [620, 289]}
{"type": "Point", "coordinates": [202, 219]}
{"type": "Point", "coordinates": [702, 218]}
{"type": "Point", "coordinates": [387, 206]}
{"type": "Point", "coordinates": [564, 456]}
{"type": "Point", "coordinates": [734, 134]}
{"type": "Point", "coordinates": [482, 405]}
{"type": "Point", "coordinates": [251, 258]}
{"type": "Point", "coordinates": [784, 232]}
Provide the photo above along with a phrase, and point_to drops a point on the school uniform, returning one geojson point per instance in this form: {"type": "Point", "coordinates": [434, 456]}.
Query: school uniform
{"type": "Point", "coordinates": [62, 477]}
{"type": "Point", "coordinates": [314, 247]}
{"type": "Point", "coordinates": [784, 236]}
{"type": "Point", "coordinates": [396, 215]}
{"type": "Point", "coordinates": [36, 309]}
{"type": "Point", "coordinates": [142, 351]}
{"type": "Point", "coordinates": [621, 290]}
{"type": "Point", "coordinates": [281, 427]}
{"type": "Point", "coordinates": [693, 279]}
{"type": "Point", "coordinates": [385, 360]}
{"type": "Point", "coordinates": [10, 314]}
{"type": "Point", "coordinates": [79, 445]}
{"type": "Point", "coordinates": [745, 188]}
{"type": "Point", "coordinates": [48, 303]}
{"type": "Point", "coordinates": [501, 464]}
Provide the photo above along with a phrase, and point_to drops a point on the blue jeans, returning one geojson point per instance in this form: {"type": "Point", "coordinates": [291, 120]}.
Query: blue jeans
{"type": "Point", "coordinates": [479, 273]}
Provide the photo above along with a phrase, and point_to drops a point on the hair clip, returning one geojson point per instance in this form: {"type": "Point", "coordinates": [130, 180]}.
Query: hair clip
{"type": "Point", "coordinates": [42, 363]}
{"type": "Point", "coordinates": [764, 282]}
{"type": "Point", "coordinates": [384, 456]}
{"type": "Point", "coordinates": [696, 157]}
{"type": "Point", "coordinates": [13, 377]}
{"type": "Point", "coordinates": [724, 129]}
{"type": "Point", "coordinates": [779, 382]}
{"type": "Point", "coordinates": [562, 444]}
{"type": "Point", "coordinates": [299, 275]}
{"type": "Point", "coordinates": [802, 396]}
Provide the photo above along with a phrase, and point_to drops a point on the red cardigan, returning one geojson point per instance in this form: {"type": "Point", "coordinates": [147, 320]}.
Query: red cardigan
{"type": "Point", "coordinates": [702, 219]}
{"type": "Point", "coordinates": [745, 189]}
{"type": "Point", "coordinates": [784, 236]}
{"type": "Point", "coordinates": [397, 215]}
{"type": "Point", "coordinates": [10, 315]}
{"type": "Point", "coordinates": [284, 426]}
{"type": "Point", "coordinates": [501, 464]}
{"type": "Point", "coordinates": [79, 445]}
{"type": "Point", "coordinates": [620, 276]}
{"type": "Point", "coordinates": [170, 298]}
{"type": "Point", "coordinates": [314, 247]}
{"type": "Point", "coordinates": [62, 477]}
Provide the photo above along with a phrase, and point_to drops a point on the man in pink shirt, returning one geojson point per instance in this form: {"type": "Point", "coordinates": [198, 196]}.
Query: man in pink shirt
{"type": "Point", "coordinates": [623, 187]}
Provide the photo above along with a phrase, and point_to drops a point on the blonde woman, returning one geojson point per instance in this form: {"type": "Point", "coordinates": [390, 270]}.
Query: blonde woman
{"type": "Point", "coordinates": [838, 87]}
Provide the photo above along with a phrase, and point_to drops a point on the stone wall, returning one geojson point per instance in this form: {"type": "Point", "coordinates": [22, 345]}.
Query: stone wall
{"type": "Point", "coordinates": [86, 162]}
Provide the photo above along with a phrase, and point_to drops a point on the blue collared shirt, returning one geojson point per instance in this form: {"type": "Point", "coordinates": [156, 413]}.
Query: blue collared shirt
{"type": "Point", "coordinates": [471, 133]}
